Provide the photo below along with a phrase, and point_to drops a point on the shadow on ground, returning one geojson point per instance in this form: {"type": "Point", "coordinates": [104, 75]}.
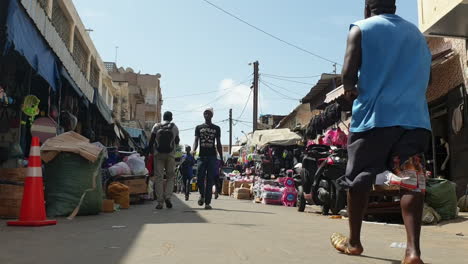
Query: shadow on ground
{"type": "Point", "coordinates": [104, 238]}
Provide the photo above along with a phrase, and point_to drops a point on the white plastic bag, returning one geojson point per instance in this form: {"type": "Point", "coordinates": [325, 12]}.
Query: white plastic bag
{"type": "Point", "coordinates": [120, 168]}
{"type": "Point", "coordinates": [137, 165]}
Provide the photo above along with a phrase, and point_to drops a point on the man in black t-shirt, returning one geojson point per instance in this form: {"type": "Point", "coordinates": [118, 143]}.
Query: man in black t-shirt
{"type": "Point", "coordinates": [208, 136]}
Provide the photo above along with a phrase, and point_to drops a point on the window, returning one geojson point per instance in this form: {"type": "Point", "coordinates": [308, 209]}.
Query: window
{"type": "Point", "coordinates": [60, 22]}
{"type": "Point", "coordinates": [79, 54]}
{"type": "Point", "coordinates": [94, 75]}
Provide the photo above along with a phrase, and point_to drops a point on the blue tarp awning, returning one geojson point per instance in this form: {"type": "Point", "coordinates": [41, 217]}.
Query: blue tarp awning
{"type": "Point", "coordinates": [137, 134]}
{"type": "Point", "coordinates": [102, 107]}
{"type": "Point", "coordinates": [24, 37]}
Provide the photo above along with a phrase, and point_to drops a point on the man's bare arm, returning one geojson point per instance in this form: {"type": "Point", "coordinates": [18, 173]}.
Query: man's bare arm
{"type": "Point", "coordinates": [219, 146]}
{"type": "Point", "coordinates": [195, 145]}
{"type": "Point", "coordinates": [352, 63]}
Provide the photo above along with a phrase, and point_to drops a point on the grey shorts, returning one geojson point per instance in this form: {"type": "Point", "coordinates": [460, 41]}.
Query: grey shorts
{"type": "Point", "coordinates": [371, 153]}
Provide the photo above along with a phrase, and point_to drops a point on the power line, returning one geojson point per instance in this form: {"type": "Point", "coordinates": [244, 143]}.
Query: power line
{"type": "Point", "coordinates": [269, 34]}
{"type": "Point", "coordinates": [283, 95]}
{"type": "Point", "coordinates": [282, 88]}
{"type": "Point", "coordinates": [246, 103]}
{"type": "Point", "coordinates": [286, 80]}
{"type": "Point", "coordinates": [192, 128]}
{"type": "Point", "coordinates": [209, 92]}
{"type": "Point", "coordinates": [195, 94]}
{"type": "Point", "coordinates": [291, 77]}
{"type": "Point", "coordinates": [216, 99]}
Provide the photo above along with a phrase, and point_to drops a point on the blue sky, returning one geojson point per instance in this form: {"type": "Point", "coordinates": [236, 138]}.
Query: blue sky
{"type": "Point", "coordinates": [197, 49]}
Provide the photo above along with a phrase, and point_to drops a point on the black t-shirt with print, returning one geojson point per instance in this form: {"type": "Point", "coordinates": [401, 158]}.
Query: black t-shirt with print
{"type": "Point", "coordinates": [207, 135]}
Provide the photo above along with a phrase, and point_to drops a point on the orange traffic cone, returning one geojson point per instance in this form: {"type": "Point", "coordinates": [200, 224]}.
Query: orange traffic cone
{"type": "Point", "coordinates": [33, 207]}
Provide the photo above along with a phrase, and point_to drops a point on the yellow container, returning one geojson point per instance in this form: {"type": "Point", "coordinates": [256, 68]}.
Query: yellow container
{"type": "Point", "coordinates": [194, 187]}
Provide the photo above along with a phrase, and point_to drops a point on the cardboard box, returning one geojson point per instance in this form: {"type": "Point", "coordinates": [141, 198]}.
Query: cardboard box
{"type": "Point", "coordinates": [225, 189]}
{"type": "Point", "coordinates": [231, 188]}
{"type": "Point", "coordinates": [11, 197]}
{"type": "Point", "coordinates": [136, 186]}
{"type": "Point", "coordinates": [242, 193]}
{"type": "Point", "coordinates": [13, 175]}
{"type": "Point", "coordinates": [108, 206]}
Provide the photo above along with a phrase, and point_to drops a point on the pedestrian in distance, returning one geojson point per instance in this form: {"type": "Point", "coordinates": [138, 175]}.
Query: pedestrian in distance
{"type": "Point", "coordinates": [208, 136]}
{"type": "Point", "coordinates": [186, 169]}
{"type": "Point", "coordinates": [164, 138]}
{"type": "Point", "coordinates": [390, 117]}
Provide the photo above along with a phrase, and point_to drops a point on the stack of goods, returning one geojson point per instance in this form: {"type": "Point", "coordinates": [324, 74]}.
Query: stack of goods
{"type": "Point", "coordinates": [242, 193]}
{"type": "Point", "coordinates": [132, 171]}
{"type": "Point", "coordinates": [259, 188]}
{"type": "Point", "coordinates": [272, 195]}
{"type": "Point", "coordinates": [289, 197]}
{"type": "Point", "coordinates": [11, 191]}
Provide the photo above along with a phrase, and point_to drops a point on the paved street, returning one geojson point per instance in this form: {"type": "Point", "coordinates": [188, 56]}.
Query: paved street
{"type": "Point", "coordinates": [234, 232]}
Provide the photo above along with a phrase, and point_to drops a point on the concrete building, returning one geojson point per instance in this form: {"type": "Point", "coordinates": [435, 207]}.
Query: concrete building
{"type": "Point", "coordinates": [299, 118]}
{"type": "Point", "coordinates": [445, 24]}
{"type": "Point", "coordinates": [269, 121]}
{"type": "Point", "coordinates": [60, 24]}
{"type": "Point", "coordinates": [138, 97]}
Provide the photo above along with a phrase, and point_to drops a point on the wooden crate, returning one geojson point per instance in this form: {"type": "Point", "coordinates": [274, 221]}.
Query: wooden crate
{"type": "Point", "coordinates": [10, 200]}
{"type": "Point", "coordinates": [13, 175]}
{"type": "Point", "coordinates": [136, 185]}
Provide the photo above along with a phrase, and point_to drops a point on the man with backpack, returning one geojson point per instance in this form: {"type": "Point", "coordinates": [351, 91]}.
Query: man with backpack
{"type": "Point", "coordinates": [186, 169]}
{"type": "Point", "coordinates": [166, 137]}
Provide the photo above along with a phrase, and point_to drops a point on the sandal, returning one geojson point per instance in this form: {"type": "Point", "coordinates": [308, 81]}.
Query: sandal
{"type": "Point", "coordinates": [412, 261]}
{"type": "Point", "coordinates": [341, 243]}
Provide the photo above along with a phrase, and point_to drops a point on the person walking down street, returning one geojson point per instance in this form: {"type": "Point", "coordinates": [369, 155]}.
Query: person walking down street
{"type": "Point", "coordinates": [164, 138]}
{"type": "Point", "coordinates": [186, 169]}
{"type": "Point", "coordinates": [208, 136]}
{"type": "Point", "coordinates": [390, 124]}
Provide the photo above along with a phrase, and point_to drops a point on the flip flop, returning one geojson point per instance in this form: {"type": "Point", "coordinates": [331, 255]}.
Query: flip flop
{"type": "Point", "coordinates": [340, 243]}
{"type": "Point", "coordinates": [417, 261]}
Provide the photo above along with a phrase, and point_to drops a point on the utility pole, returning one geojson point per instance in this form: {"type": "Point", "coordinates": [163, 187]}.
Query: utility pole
{"type": "Point", "coordinates": [230, 131]}
{"type": "Point", "coordinates": [116, 53]}
{"type": "Point", "coordinates": [334, 66]}
{"type": "Point", "coordinates": [255, 96]}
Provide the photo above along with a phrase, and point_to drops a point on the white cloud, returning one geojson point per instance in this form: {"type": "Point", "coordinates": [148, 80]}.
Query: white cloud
{"type": "Point", "coordinates": [236, 95]}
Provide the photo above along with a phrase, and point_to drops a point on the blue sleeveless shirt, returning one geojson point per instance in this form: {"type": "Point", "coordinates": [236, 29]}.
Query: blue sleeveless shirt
{"type": "Point", "coordinates": [393, 77]}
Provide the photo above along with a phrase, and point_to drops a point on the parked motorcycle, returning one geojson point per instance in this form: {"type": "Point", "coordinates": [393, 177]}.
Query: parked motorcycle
{"type": "Point", "coordinates": [321, 168]}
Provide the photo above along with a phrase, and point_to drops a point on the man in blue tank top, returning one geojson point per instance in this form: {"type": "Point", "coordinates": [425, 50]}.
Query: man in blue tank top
{"type": "Point", "coordinates": [386, 73]}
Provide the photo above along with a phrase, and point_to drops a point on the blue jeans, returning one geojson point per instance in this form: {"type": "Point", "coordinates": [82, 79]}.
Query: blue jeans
{"type": "Point", "coordinates": [186, 179]}
{"type": "Point", "coordinates": [206, 171]}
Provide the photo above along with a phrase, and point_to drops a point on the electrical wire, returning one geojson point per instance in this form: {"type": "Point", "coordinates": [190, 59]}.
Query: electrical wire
{"type": "Point", "coordinates": [286, 80]}
{"type": "Point", "coordinates": [216, 99]}
{"type": "Point", "coordinates": [192, 128]}
{"type": "Point", "coordinates": [276, 91]}
{"type": "Point", "coordinates": [282, 88]}
{"type": "Point", "coordinates": [207, 92]}
{"type": "Point", "coordinates": [271, 35]}
{"type": "Point", "coordinates": [291, 77]}
{"type": "Point", "coordinates": [195, 94]}
{"type": "Point", "coordinates": [246, 103]}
